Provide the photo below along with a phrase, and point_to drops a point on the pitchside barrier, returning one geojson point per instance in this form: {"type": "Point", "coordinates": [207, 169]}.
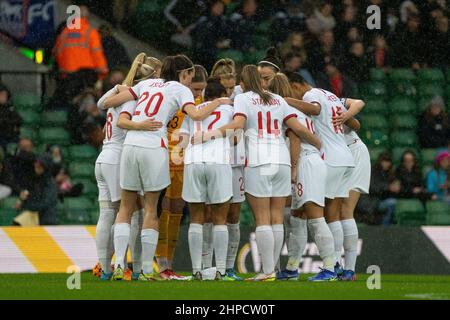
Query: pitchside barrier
{"type": "Point", "coordinates": [395, 250]}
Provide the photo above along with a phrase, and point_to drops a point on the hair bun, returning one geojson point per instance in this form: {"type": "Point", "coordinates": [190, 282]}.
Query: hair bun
{"type": "Point", "coordinates": [272, 52]}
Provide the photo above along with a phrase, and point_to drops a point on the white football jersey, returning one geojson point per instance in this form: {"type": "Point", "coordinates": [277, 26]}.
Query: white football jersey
{"type": "Point", "coordinates": [265, 143]}
{"type": "Point", "coordinates": [158, 100]}
{"type": "Point", "coordinates": [351, 137]}
{"type": "Point", "coordinates": [334, 147]}
{"type": "Point", "coordinates": [237, 90]}
{"type": "Point", "coordinates": [114, 136]}
{"type": "Point", "coordinates": [238, 151]}
{"type": "Point", "coordinates": [214, 151]}
{"type": "Point", "coordinates": [308, 123]}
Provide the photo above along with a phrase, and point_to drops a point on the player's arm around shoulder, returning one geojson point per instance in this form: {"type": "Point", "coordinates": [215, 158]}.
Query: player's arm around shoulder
{"type": "Point", "coordinates": [309, 108]}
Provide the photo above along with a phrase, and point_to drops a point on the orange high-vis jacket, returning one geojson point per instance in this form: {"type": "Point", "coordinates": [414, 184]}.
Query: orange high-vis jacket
{"type": "Point", "coordinates": [81, 48]}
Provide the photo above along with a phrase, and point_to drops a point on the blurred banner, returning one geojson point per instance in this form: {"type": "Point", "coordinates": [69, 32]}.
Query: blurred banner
{"type": "Point", "coordinates": [396, 250]}
{"type": "Point", "coordinates": [31, 22]}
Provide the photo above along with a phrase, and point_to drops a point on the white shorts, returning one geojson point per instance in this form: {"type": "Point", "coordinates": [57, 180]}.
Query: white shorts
{"type": "Point", "coordinates": [207, 183]}
{"type": "Point", "coordinates": [108, 181]}
{"type": "Point", "coordinates": [238, 185]}
{"type": "Point", "coordinates": [337, 182]}
{"type": "Point", "coordinates": [310, 184]}
{"type": "Point", "coordinates": [144, 169]}
{"type": "Point", "coordinates": [268, 180]}
{"type": "Point", "coordinates": [360, 175]}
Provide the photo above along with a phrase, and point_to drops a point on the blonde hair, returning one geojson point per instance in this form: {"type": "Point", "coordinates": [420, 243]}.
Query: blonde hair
{"type": "Point", "coordinates": [280, 85]}
{"type": "Point", "coordinates": [224, 69]}
{"type": "Point", "coordinates": [252, 82]}
{"type": "Point", "coordinates": [142, 68]}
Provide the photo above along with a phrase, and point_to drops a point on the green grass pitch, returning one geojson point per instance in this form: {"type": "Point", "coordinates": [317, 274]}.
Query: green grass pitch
{"type": "Point", "coordinates": [53, 286]}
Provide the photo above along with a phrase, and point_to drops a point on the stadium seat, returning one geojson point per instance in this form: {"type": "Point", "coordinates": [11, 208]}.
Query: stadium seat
{"type": "Point", "coordinates": [28, 132]}
{"type": "Point", "coordinates": [82, 152]}
{"type": "Point", "coordinates": [373, 89]}
{"type": "Point", "coordinates": [253, 57]}
{"type": "Point", "coordinates": [26, 101]}
{"type": "Point", "coordinates": [404, 121]}
{"type": "Point", "coordinates": [430, 90]}
{"type": "Point", "coordinates": [377, 75]}
{"type": "Point", "coordinates": [372, 121]}
{"type": "Point", "coordinates": [427, 156]}
{"type": "Point", "coordinates": [81, 170]}
{"type": "Point", "coordinates": [11, 148]}
{"type": "Point", "coordinates": [54, 136]}
{"type": "Point", "coordinates": [431, 76]}
{"type": "Point", "coordinates": [401, 76]}
{"type": "Point", "coordinates": [425, 170]}
{"type": "Point", "coordinates": [376, 138]}
{"type": "Point", "coordinates": [90, 189]}
{"type": "Point", "coordinates": [260, 41]}
{"type": "Point", "coordinates": [54, 118]}
{"type": "Point", "coordinates": [246, 218]}
{"type": "Point", "coordinates": [438, 213]}
{"type": "Point", "coordinates": [410, 212]}
{"type": "Point", "coordinates": [375, 153]}
{"type": "Point", "coordinates": [264, 28]}
{"type": "Point", "coordinates": [403, 89]}
{"type": "Point", "coordinates": [8, 211]}
{"type": "Point", "coordinates": [423, 104]}
{"type": "Point", "coordinates": [77, 210]}
{"type": "Point", "coordinates": [376, 106]}
{"type": "Point", "coordinates": [403, 105]}
{"type": "Point", "coordinates": [447, 93]}
{"type": "Point", "coordinates": [236, 55]}
{"type": "Point", "coordinates": [30, 118]}
{"type": "Point", "coordinates": [397, 153]}
{"type": "Point", "coordinates": [404, 138]}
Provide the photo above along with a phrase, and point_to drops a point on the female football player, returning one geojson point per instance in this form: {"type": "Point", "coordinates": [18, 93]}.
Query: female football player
{"type": "Point", "coordinates": [225, 70]}
{"type": "Point", "coordinates": [145, 159]}
{"type": "Point", "coordinates": [208, 179]}
{"type": "Point", "coordinates": [308, 197]}
{"type": "Point", "coordinates": [269, 66]}
{"type": "Point", "coordinates": [268, 173]}
{"type": "Point", "coordinates": [107, 167]}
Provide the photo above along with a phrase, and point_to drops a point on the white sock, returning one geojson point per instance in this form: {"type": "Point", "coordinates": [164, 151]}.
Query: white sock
{"type": "Point", "coordinates": [195, 238]}
{"type": "Point", "coordinates": [234, 236]}
{"type": "Point", "coordinates": [324, 241]}
{"type": "Point", "coordinates": [297, 242]}
{"type": "Point", "coordinates": [207, 246]}
{"type": "Point", "coordinates": [338, 236]}
{"type": "Point", "coordinates": [104, 240]}
{"type": "Point", "coordinates": [121, 237]}
{"type": "Point", "coordinates": [220, 242]}
{"type": "Point", "coordinates": [149, 239]}
{"type": "Point", "coordinates": [162, 263]}
{"type": "Point", "coordinates": [137, 219]}
{"type": "Point", "coordinates": [278, 238]}
{"type": "Point", "coordinates": [350, 243]}
{"type": "Point", "coordinates": [265, 243]}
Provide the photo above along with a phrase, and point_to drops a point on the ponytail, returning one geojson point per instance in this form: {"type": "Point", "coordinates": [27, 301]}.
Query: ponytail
{"type": "Point", "coordinates": [142, 68]}
{"type": "Point", "coordinates": [224, 69]}
{"type": "Point", "coordinates": [252, 82]}
{"type": "Point", "coordinates": [280, 85]}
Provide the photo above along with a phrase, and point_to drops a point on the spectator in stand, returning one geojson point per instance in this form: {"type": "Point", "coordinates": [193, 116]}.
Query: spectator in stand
{"type": "Point", "coordinates": [293, 62]}
{"type": "Point", "coordinates": [355, 64]}
{"type": "Point", "coordinates": [244, 23]}
{"type": "Point", "coordinates": [409, 174]}
{"type": "Point", "coordinates": [294, 43]}
{"type": "Point", "coordinates": [379, 55]}
{"type": "Point", "coordinates": [335, 81]}
{"type": "Point", "coordinates": [21, 165]}
{"type": "Point", "coordinates": [348, 20]}
{"type": "Point", "coordinates": [183, 16]}
{"type": "Point", "coordinates": [440, 42]}
{"type": "Point", "coordinates": [40, 199]}
{"type": "Point", "coordinates": [115, 53]}
{"type": "Point", "coordinates": [433, 125]}
{"type": "Point", "coordinates": [352, 35]}
{"type": "Point", "coordinates": [211, 33]}
{"type": "Point", "coordinates": [65, 186]}
{"type": "Point", "coordinates": [322, 19]}
{"type": "Point", "coordinates": [410, 40]}
{"type": "Point", "coordinates": [322, 53]}
{"type": "Point", "coordinates": [437, 179]}
{"type": "Point", "coordinates": [80, 49]}
{"type": "Point", "coordinates": [6, 179]}
{"type": "Point", "coordinates": [384, 187]}
{"type": "Point", "coordinates": [288, 19]}
{"type": "Point", "coordinates": [116, 76]}
{"type": "Point", "coordinates": [10, 120]}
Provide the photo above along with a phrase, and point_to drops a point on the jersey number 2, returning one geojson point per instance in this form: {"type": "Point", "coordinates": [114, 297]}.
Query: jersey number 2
{"type": "Point", "coordinates": [159, 96]}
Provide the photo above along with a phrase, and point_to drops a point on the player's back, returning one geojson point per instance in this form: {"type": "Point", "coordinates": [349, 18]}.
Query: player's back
{"type": "Point", "coordinates": [216, 150]}
{"type": "Point", "coordinates": [157, 100]}
{"type": "Point", "coordinates": [334, 147]}
{"type": "Point", "coordinates": [308, 123]}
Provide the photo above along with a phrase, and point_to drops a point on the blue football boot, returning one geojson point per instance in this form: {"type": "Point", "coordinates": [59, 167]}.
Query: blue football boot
{"type": "Point", "coordinates": [288, 275]}
{"type": "Point", "coordinates": [324, 275]}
